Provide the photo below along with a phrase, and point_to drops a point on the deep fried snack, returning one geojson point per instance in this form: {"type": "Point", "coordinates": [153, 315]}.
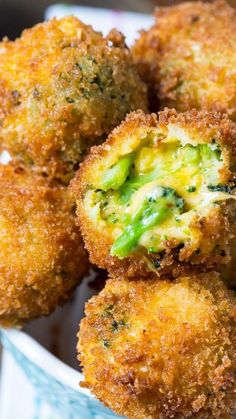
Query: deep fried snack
{"type": "Point", "coordinates": [159, 194]}
{"type": "Point", "coordinates": [63, 87]}
{"type": "Point", "coordinates": [188, 57]}
{"type": "Point", "coordinates": [159, 349]}
{"type": "Point", "coordinates": [41, 249]}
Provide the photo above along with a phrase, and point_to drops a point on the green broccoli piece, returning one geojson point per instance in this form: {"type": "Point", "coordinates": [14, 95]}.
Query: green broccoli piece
{"type": "Point", "coordinates": [153, 210]}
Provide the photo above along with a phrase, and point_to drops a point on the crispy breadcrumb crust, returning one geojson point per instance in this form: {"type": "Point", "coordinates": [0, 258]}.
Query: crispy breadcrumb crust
{"type": "Point", "coordinates": [63, 88]}
{"type": "Point", "coordinates": [188, 57]}
{"type": "Point", "coordinates": [160, 349]}
{"type": "Point", "coordinates": [41, 249]}
{"type": "Point", "coordinates": [219, 228]}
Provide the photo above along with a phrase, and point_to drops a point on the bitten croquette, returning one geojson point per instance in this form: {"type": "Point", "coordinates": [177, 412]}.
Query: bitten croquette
{"type": "Point", "coordinates": [63, 87]}
{"type": "Point", "coordinates": [188, 57]}
{"type": "Point", "coordinates": [161, 349]}
{"type": "Point", "coordinates": [41, 249]}
{"type": "Point", "coordinates": [158, 197]}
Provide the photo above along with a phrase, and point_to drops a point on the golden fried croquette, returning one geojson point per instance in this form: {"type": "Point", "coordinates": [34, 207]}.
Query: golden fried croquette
{"type": "Point", "coordinates": [188, 57]}
{"type": "Point", "coordinates": [160, 349]}
{"type": "Point", "coordinates": [159, 195]}
{"type": "Point", "coordinates": [63, 87]}
{"type": "Point", "coordinates": [41, 249]}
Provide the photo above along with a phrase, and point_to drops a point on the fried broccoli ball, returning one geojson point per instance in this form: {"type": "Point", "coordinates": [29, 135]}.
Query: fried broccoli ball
{"type": "Point", "coordinates": [159, 349]}
{"type": "Point", "coordinates": [159, 195]}
{"type": "Point", "coordinates": [188, 57]}
{"type": "Point", "coordinates": [41, 249]}
{"type": "Point", "coordinates": [63, 87]}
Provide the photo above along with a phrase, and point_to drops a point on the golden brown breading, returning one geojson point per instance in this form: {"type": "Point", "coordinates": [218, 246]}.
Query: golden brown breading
{"type": "Point", "coordinates": [188, 57]}
{"type": "Point", "coordinates": [63, 87]}
{"type": "Point", "coordinates": [41, 249]}
{"type": "Point", "coordinates": [159, 349]}
{"type": "Point", "coordinates": [198, 232]}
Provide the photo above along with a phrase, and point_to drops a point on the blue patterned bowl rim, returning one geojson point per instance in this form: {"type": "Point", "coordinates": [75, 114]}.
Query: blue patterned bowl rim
{"type": "Point", "coordinates": [37, 354]}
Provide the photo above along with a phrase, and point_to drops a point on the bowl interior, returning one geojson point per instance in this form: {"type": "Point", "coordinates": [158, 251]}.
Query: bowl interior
{"type": "Point", "coordinates": [58, 332]}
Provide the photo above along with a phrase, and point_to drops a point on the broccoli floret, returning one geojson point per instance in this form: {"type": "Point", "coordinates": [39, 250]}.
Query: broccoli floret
{"type": "Point", "coordinates": [219, 188]}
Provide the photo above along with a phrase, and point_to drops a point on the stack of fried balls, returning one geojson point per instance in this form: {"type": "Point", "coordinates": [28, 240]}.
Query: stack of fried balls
{"type": "Point", "coordinates": [151, 195]}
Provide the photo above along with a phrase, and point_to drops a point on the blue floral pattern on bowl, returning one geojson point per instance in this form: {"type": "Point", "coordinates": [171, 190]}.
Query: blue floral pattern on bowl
{"type": "Point", "coordinates": [69, 402]}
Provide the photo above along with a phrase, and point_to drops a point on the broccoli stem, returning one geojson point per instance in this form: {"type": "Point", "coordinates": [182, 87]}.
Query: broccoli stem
{"type": "Point", "coordinates": [116, 175]}
{"type": "Point", "coordinates": [191, 154]}
{"type": "Point", "coordinates": [153, 210]}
